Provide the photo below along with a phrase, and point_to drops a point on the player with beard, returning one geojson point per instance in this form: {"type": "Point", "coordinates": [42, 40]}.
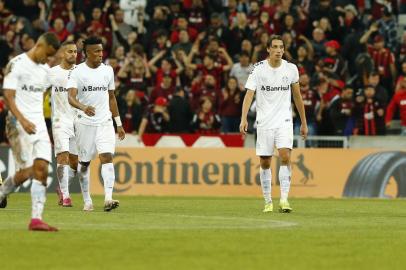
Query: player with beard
{"type": "Point", "coordinates": [63, 129]}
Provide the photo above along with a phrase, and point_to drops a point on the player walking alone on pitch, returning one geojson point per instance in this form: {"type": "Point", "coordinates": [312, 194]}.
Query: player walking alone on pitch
{"type": "Point", "coordinates": [24, 87]}
{"type": "Point", "coordinates": [274, 80]}
{"type": "Point", "coordinates": [63, 116]}
{"type": "Point", "coordinates": [91, 91]}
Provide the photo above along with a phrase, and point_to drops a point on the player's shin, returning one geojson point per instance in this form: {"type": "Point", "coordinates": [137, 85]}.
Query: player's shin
{"type": "Point", "coordinates": [84, 181]}
{"type": "Point", "coordinates": [63, 178]}
{"type": "Point", "coordinates": [72, 174]}
{"type": "Point", "coordinates": [284, 179]}
{"type": "Point", "coordinates": [7, 187]}
{"type": "Point", "coordinates": [266, 177]}
{"type": "Point", "coordinates": [38, 198]}
{"type": "Point", "coordinates": [107, 172]}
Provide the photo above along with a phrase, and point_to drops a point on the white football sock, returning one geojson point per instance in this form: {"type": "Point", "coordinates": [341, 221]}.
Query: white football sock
{"type": "Point", "coordinates": [84, 181]}
{"type": "Point", "coordinates": [38, 198]}
{"type": "Point", "coordinates": [72, 175]}
{"type": "Point", "coordinates": [266, 177]}
{"type": "Point", "coordinates": [284, 180]}
{"type": "Point", "coordinates": [62, 172]}
{"type": "Point", "coordinates": [7, 187]}
{"type": "Point", "coordinates": [107, 172]}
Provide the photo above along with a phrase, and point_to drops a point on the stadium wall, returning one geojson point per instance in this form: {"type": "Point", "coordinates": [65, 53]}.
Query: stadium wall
{"type": "Point", "coordinates": [317, 173]}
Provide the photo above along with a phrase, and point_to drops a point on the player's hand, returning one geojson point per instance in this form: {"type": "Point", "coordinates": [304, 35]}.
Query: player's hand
{"type": "Point", "coordinates": [90, 111]}
{"type": "Point", "coordinates": [303, 131]}
{"type": "Point", "coordinates": [388, 124]}
{"type": "Point", "coordinates": [121, 133]}
{"type": "Point", "coordinates": [28, 126]}
{"type": "Point", "coordinates": [244, 126]}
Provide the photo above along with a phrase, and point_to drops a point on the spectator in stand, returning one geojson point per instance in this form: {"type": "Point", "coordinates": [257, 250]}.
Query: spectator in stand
{"type": "Point", "coordinates": [165, 89]}
{"type": "Point", "coordinates": [184, 43]}
{"type": "Point", "coordinates": [131, 112]}
{"type": "Point", "coordinates": [388, 29]}
{"type": "Point", "coordinates": [180, 113]}
{"type": "Point", "coordinates": [135, 74]}
{"type": "Point", "coordinates": [341, 112]}
{"type": "Point", "coordinates": [402, 75]}
{"type": "Point", "coordinates": [383, 58]}
{"type": "Point", "coordinates": [204, 86]}
{"type": "Point", "coordinates": [339, 66]}
{"type": "Point", "coordinates": [260, 51]}
{"type": "Point", "coordinates": [217, 29]}
{"type": "Point", "coordinates": [182, 24]}
{"type": "Point", "coordinates": [120, 27]}
{"type": "Point", "coordinates": [318, 42]}
{"type": "Point", "coordinates": [198, 15]}
{"type": "Point", "coordinates": [165, 68]}
{"type": "Point", "coordinates": [311, 103]}
{"type": "Point", "coordinates": [380, 93]}
{"type": "Point", "coordinates": [305, 55]}
{"type": "Point", "coordinates": [398, 101]}
{"type": "Point", "coordinates": [239, 31]}
{"type": "Point", "coordinates": [156, 118]}
{"type": "Point", "coordinates": [369, 114]}
{"type": "Point", "coordinates": [58, 25]}
{"type": "Point", "coordinates": [210, 66]}
{"type": "Point", "coordinates": [241, 69]}
{"type": "Point", "coordinates": [206, 121]}
{"type": "Point", "coordinates": [230, 106]}
{"type": "Point", "coordinates": [133, 10]}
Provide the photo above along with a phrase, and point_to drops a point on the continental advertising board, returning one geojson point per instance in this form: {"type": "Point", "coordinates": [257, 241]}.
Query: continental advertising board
{"type": "Point", "coordinates": [317, 173]}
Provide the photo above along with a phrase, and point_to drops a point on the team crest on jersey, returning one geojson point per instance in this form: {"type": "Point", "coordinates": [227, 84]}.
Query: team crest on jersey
{"type": "Point", "coordinates": [285, 79]}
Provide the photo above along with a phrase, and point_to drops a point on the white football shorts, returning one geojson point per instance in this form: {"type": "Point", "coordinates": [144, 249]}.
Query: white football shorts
{"type": "Point", "coordinates": [92, 140]}
{"type": "Point", "coordinates": [64, 138]}
{"type": "Point", "coordinates": [268, 139]}
{"type": "Point", "coordinates": [25, 147]}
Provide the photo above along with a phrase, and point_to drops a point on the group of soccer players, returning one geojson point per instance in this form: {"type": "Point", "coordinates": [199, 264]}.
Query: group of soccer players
{"type": "Point", "coordinates": [83, 105]}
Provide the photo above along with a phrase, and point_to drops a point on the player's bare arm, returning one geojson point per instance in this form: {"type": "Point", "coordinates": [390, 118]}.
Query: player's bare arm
{"type": "Point", "coordinates": [116, 116]}
{"type": "Point", "coordinates": [249, 96]}
{"type": "Point", "coordinates": [297, 98]}
{"type": "Point", "coordinates": [74, 102]}
{"type": "Point", "coordinates": [9, 97]}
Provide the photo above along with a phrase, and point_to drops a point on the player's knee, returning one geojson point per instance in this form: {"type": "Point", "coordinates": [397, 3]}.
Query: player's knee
{"type": "Point", "coordinates": [63, 158]}
{"type": "Point", "coordinates": [40, 170]}
{"type": "Point", "coordinates": [265, 163]}
{"type": "Point", "coordinates": [106, 158]}
{"type": "Point", "coordinates": [284, 158]}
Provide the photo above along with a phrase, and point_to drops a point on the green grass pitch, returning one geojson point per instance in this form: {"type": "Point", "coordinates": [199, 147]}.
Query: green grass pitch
{"type": "Point", "coordinates": [207, 233]}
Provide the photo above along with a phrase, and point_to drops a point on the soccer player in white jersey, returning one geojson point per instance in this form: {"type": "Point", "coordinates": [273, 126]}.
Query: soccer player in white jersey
{"type": "Point", "coordinates": [91, 91]}
{"type": "Point", "coordinates": [274, 80]}
{"type": "Point", "coordinates": [63, 128]}
{"type": "Point", "coordinates": [24, 86]}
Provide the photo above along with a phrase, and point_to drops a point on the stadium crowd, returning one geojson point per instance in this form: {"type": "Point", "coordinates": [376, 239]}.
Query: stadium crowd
{"type": "Point", "coordinates": [181, 65]}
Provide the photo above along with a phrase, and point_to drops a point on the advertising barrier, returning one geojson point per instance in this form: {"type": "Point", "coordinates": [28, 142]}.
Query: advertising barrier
{"type": "Point", "coordinates": [317, 173]}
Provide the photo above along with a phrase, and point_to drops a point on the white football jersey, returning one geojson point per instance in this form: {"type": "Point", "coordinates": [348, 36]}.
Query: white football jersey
{"type": "Point", "coordinates": [30, 81]}
{"type": "Point", "coordinates": [62, 111]}
{"type": "Point", "coordinates": [273, 93]}
{"type": "Point", "coordinates": [93, 85]}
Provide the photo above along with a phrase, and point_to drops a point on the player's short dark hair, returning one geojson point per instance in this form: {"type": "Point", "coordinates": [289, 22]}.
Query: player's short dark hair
{"type": "Point", "coordinates": [275, 37]}
{"type": "Point", "coordinates": [51, 39]}
{"type": "Point", "coordinates": [92, 40]}
{"type": "Point", "coordinates": [66, 43]}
